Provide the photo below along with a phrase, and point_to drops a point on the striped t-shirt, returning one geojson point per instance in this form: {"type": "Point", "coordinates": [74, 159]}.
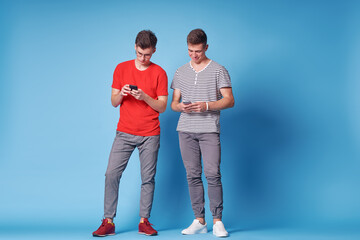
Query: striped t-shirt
{"type": "Point", "coordinates": [202, 86]}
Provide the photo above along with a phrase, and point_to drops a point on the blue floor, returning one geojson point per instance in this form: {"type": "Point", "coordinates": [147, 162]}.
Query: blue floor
{"type": "Point", "coordinates": [266, 234]}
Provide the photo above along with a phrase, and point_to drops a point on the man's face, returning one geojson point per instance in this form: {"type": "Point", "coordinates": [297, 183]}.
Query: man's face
{"type": "Point", "coordinates": [197, 52]}
{"type": "Point", "coordinates": [143, 56]}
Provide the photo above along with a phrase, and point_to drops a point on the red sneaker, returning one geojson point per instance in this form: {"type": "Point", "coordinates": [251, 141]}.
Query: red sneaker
{"type": "Point", "coordinates": [105, 229]}
{"type": "Point", "coordinates": [146, 228]}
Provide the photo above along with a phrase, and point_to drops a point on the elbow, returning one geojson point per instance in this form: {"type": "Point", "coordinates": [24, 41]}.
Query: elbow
{"type": "Point", "coordinates": [162, 108]}
{"type": "Point", "coordinates": [172, 107]}
{"type": "Point", "coordinates": [115, 104]}
{"type": "Point", "coordinates": [232, 103]}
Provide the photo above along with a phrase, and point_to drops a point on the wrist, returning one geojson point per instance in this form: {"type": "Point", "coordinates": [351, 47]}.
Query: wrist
{"type": "Point", "coordinates": [146, 97]}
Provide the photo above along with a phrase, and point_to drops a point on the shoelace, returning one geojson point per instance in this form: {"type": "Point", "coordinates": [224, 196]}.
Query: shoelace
{"type": "Point", "coordinates": [102, 222]}
{"type": "Point", "coordinates": [147, 223]}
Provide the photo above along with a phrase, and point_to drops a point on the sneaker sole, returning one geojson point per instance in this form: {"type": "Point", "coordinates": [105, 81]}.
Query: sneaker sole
{"type": "Point", "coordinates": [197, 232]}
{"type": "Point", "coordinates": [97, 235]}
{"type": "Point", "coordinates": [154, 234]}
{"type": "Point", "coordinates": [221, 236]}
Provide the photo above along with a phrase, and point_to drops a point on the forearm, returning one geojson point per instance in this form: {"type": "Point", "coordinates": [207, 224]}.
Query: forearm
{"type": "Point", "coordinates": [175, 106]}
{"type": "Point", "coordinates": [116, 100]}
{"type": "Point", "coordinates": [221, 104]}
{"type": "Point", "coordinates": [156, 104]}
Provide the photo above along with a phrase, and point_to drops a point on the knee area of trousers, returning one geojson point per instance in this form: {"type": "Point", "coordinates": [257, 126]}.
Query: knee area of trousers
{"type": "Point", "coordinates": [213, 179]}
{"type": "Point", "coordinates": [193, 174]}
{"type": "Point", "coordinates": [212, 173]}
{"type": "Point", "coordinates": [148, 180]}
{"type": "Point", "coordinates": [194, 180]}
{"type": "Point", "coordinates": [112, 175]}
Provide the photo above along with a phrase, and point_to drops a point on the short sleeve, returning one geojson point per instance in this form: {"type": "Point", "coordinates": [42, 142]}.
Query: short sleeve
{"type": "Point", "coordinates": [117, 78]}
{"type": "Point", "coordinates": [175, 81]}
{"type": "Point", "coordinates": [224, 78]}
{"type": "Point", "coordinates": [162, 89]}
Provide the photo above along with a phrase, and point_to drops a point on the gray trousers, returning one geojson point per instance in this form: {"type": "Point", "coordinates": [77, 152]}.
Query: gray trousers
{"type": "Point", "coordinates": [123, 146]}
{"type": "Point", "coordinates": [192, 147]}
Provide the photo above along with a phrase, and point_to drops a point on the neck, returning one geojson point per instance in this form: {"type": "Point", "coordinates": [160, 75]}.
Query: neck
{"type": "Point", "coordinates": [140, 66]}
{"type": "Point", "coordinates": [200, 65]}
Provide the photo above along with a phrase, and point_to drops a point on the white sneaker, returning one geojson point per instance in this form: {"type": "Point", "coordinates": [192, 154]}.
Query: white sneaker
{"type": "Point", "coordinates": [219, 229]}
{"type": "Point", "coordinates": [195, 228]}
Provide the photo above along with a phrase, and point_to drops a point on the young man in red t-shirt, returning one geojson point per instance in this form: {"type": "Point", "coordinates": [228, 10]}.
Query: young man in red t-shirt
{"type": "Point", "coordinates": [140, 88]}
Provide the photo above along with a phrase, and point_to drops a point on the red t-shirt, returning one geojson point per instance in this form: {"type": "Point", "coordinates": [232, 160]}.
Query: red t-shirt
{"type": "Point", "coordinates": [136, 116]}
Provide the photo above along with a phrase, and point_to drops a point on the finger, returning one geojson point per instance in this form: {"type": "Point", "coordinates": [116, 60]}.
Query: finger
{"type": "Point", "coordinates": [198, 106]}
{"type": "Point", "coordinates": [197, 109]}
{"type": "Point", "coordinates": [192, 107]}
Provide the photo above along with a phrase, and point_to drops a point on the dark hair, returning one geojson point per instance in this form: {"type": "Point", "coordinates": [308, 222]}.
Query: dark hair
{"type": "Point", "coordinates": [197, 36]}
{"type": "Point", "coordinates": [146, 39]}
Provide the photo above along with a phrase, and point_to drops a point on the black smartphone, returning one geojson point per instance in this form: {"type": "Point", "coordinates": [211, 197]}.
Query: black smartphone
{"type": "Point", "coordinates": [133, 87]}
{"type": "Point", "coordinates": [186, 103]}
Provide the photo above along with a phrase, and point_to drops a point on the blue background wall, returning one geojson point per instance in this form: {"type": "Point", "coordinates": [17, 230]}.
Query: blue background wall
{"type": "Point", "coordinates": [290, 145]}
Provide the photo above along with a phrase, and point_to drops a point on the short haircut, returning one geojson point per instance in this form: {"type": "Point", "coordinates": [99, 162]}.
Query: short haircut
{"type": "Point", "coordinates": [197, 36]}
{"type": "Point", "coordinates": [146, 39]}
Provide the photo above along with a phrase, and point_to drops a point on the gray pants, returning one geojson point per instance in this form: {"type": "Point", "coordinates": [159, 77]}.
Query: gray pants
{"type": "Point", "coordinates": [192, 147]}
{"type": "Point", "coordinates": [123, 146]}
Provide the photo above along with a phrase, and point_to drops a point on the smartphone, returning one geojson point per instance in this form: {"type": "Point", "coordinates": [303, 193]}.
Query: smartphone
{"type": "Point", "coordinates": [186, 103]}
{"type": "Point", "coordinates": [133, 87]}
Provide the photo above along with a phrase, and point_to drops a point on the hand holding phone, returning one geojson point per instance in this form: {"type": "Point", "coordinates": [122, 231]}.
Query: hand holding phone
{"type": "Point", "coordinates": [133, 87]}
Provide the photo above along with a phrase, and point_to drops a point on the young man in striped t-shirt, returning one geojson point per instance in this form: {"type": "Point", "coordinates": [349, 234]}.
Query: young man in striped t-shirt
{"type": "Point", "coordinates": [202, 88]}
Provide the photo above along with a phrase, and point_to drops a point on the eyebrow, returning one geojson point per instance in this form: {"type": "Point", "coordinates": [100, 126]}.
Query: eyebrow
{"type": "Point", "coordinates": [194, 50]}
{"type": "Point", "coordinates": [143, 53]}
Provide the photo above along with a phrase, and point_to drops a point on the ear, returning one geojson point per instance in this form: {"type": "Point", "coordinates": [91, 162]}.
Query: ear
{"type": "Point", "coordinates": [206, 47]}
{"type": "Point", "coordinates": [154, 50]}
{"type": "Point", "coordinates": [135, 47]}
